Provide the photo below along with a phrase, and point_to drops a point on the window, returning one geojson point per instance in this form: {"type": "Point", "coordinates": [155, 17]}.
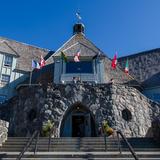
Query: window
{"type": "Point", "coordinates": [79, 67]}
{"type": "Point", "coordinates": [8, 61]}
{"type": "Point", "coordinates": [126, 115]}
{"type": "Point", "coordinates": [5, 78]}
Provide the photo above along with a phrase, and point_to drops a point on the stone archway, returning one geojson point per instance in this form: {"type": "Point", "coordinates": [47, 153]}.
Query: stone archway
{"type": "Point", "coordinates": [78, 122]}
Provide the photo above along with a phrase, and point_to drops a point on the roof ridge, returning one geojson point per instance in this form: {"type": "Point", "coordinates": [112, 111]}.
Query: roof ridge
{"type": "Point", "coordinates": [95, 46]}
{"type": "Point", "coordinates": [34, 46]}
{"type": "Point", "coordinates": [10, 47]}
{"type": "Point", "coordinates": [87, 47]}
{"type": "Point", "coordinates": [9, 50]}
{"type": "Point", "coordinates": [80, 41]}
{"type": "Point", "coordinates": [140, 53]}
{"type": "Point", "coordinates": [63, 45]}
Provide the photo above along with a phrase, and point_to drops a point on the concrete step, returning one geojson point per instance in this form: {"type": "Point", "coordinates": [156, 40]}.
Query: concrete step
{"type": "Point", "coordinates": [47, 159]}
{"type": "Point", "coordinates": [84, 155]}
{"type": "Point", "coordinates": [63, 144]}
{"type": "Point", "coordinates": [75, 149]}
{"type": "Point", "coordinates": [80, 148]}
{"type": "Point", "coordinates": [80, 159]}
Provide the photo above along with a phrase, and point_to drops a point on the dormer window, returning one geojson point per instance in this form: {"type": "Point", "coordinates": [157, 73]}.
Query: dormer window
{"type": "Point", "coordinates": [79, 67]}
{"type": "Point", "coordinates": [8, 61]}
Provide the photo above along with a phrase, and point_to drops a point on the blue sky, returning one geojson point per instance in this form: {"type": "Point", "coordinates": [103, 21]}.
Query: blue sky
{"type": "Point", "coordinates": [125, 26]}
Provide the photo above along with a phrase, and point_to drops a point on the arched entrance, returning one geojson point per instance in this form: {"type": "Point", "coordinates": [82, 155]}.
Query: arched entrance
{"type": "Point", "coordinates": [78, 122]}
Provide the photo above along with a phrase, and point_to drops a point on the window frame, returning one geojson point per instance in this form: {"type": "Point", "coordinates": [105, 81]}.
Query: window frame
{"type": "Point", "coordinates": [3, 80]}
{"type": "Point", "coordinates": [8, 60]}
{"type": "Point", "coordinates": [67, 72]}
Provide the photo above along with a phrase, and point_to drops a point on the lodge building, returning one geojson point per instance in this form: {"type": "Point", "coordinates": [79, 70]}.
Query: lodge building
{"type": "Point", "coordinates": [80, 96]}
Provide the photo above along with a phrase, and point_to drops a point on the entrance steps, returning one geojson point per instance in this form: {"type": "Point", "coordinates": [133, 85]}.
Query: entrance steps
{"type": "Point", "coordinates": [91, 148]}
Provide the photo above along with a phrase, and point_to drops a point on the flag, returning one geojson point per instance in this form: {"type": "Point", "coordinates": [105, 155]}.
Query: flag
{"type": "Point", "coordinates": [114, 61]}
{"type": "Point", "coordinates": [76, 56]}
{"type": "Point", "coordinates": [35, 65]}
{"type": "Point", "coordinates": [126, 70]}
{"type": "Point", "coordinates": [78, 16]}
{"type": "Point", "coordinates": [42, 62]}
{"type": "Point", "coordinates": [63, 56]}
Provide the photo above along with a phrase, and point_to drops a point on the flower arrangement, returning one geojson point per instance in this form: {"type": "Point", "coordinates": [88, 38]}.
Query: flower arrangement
{"type": "Point", "coordinates": [107, 129]}
{"type": "Point", "coordinates": [46, 128]}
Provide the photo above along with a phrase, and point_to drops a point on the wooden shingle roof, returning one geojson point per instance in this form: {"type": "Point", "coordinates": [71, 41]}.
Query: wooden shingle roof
{"type": "Point", "coordinates": [79, 42]}
{"type": "Point", "coordinates": [24, 52]}
{"type": "Point", "coordinates": [88, 49]}
{"type": "Point", "coordinates": [5, 48]}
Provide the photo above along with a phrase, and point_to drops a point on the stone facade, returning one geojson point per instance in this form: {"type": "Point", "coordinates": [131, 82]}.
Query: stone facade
{"type": "Point", "coordinates": [124, 108]}
{"type": "Point", "coordinates": [70, 107]}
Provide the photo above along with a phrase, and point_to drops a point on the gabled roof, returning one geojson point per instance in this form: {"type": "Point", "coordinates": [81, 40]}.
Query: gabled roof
{"type": "Point", "coordinates": [79, 42]}
{"type": "Point", "coordinates": [88, 49]}
{"type": "Point", "coordinates": [24, 52]}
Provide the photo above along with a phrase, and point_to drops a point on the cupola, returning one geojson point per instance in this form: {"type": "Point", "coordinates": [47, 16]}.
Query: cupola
{"type": "Point", "coordinates": [78, 28]}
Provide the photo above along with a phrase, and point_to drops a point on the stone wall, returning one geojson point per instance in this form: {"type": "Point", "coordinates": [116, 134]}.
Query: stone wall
{"type": "Point", "coordinates": [134, 113]}
{"type": "Point", "coordinates": [125, 108]}
{"type": "Point", "coordinates": [3, 131]}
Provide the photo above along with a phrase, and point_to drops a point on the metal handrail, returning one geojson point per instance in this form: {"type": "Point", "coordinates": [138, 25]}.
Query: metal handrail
{"type": "Point", "coordinates": [128, 144]}
{"type": "Point", "coordinates": [49, 138]}
{"type": "Point", "coordinates": [105, 142]}
{"type": "Point", "coordinates": [119, 145]}
{"type": "Point", "coordinates": [35, 148]}
{"type": "Point", "coordinates": [28, 144]}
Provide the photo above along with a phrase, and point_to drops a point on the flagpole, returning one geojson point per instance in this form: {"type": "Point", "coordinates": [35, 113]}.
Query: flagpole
{"type": "Point", "coordinates": [30, 79]}
{"type": "Point", "coordinates": [80, 75]}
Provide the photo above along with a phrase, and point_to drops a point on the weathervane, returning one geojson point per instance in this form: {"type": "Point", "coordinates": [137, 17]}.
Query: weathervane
{"type": "Point", "coordinates": [79, 18]}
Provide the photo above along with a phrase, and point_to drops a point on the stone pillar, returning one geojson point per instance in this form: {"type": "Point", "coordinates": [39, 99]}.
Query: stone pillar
{"type": "Point", "coordinates": [3, 131]}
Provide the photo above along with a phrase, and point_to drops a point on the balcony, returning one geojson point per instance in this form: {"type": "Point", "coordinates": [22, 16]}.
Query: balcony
{"type": "Point", "coordinates": [83, 77]}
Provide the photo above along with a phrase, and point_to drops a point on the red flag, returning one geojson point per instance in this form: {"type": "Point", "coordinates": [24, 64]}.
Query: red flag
{"type": "Point", "coordinates": [76, 57]}
{"type": "Point", "coordinates": [42, 62]}
{"type": "Point", "coordinates": [114, 61]}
